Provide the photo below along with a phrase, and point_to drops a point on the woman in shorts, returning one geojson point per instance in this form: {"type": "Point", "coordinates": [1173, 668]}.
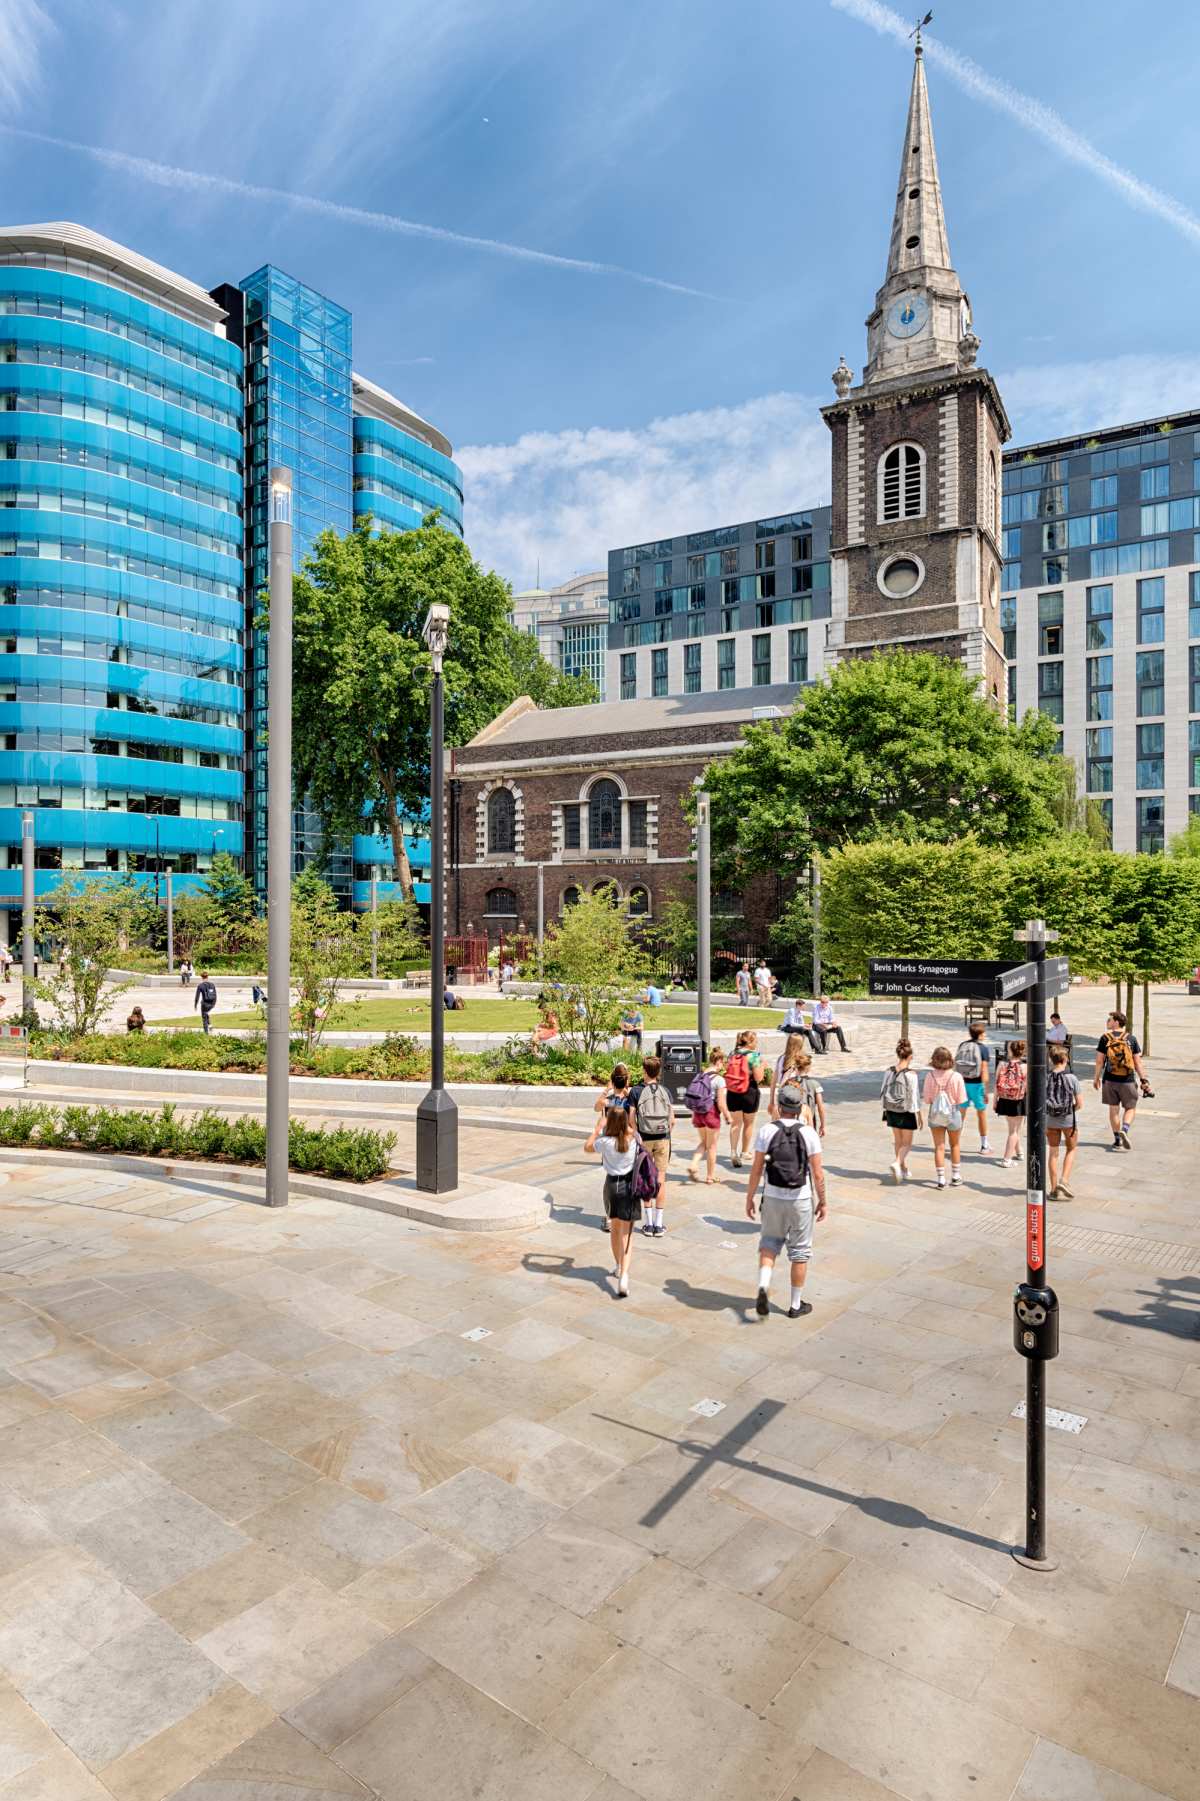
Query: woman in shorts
{"type": "Point", "coordinates": [708, 1125]}
{"type": "Point", "coordinates": [618, 1145]}
{"type": "Point", "coordinates": [901, 1097]}
{"type": "Point", "coordinates": [1062, 1126]}
{"type": "Point", "coordinates": [944, 1094]}
{"type": "Point", "coordinates": [742, 1103]}
{"type": "Point", "coordinates": [792, 1069]}
{"type": "Point", "coordinates": [1011, 1102]}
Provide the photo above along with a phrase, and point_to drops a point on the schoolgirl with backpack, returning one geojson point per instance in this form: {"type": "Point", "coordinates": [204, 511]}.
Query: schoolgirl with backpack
{"type": "Point", "coordinates": [704, 1098]}
{"type": "Point", "coordinates": [900, 1093]}
{"type": "Point", "coordinates": [627, 1172]}
{"type": "Point", "coordinates": [742, 1094]}
{"type": "Point", "coordinates": [1011, 1102]}
{"type": "Point", "coordinates": [945, 1095]}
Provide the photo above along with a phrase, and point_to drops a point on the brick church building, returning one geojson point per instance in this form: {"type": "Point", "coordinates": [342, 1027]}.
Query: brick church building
{"type": "Point", "coordinates": [559, 802]}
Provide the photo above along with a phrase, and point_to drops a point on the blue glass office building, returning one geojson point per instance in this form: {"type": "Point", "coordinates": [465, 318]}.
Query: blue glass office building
{"type": "Point", "coordinates": [140, 416]}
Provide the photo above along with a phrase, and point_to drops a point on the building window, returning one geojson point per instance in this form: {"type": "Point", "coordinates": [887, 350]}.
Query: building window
{"type": "Point", "coordinates": [1194, 676]}
{"type": "Point", "coordinates": [570, 898]}
{"type": "Point", "coordinates": [1104, 491]}
{"type": "Point", "coordinates": [902, 483]}
{"type": "Point", "coordinates": [1150, 756]}
{"type": "Point", "coordinates": [764, 554]}
{"type": "Point", "coordinates": [570, 815]}
{"type": "Point", "coordinates": [1008, 625]}
{"type": "Point", "coordinates": [1098, 760]}
{"type": "Point", "coordinates": [1012, 691]}
{"type": "Point", "coordinates": [1054, 569]}
{"type": "Point", "coordinates": [802, 548]}
{"type": "Point", "coordinates": [1051, 502]}
{"type": "Point", "coordinates": [726, 662]}
{"type": "Point", "coordinates": [1099, 617]}
{"type": "Point", "coordinates": [1099, 687]}
{"type": "Point", "coordinates": [1151, 824]}
{"type": "Point", "coordinates": [798, 656]}
{"type": "Point", "coordinates": [502, 822]}
{"type": "Point", "coordinates": [1194, 604]}
{"type": "Point", "coordinates": [1050, 625]}
{"type": "Point", "coordinates": [1150, 604]}
{"type": "Point", "coordinates": [761, 660]}
{"type": "Point", "coordinates": [501, 901]}
{"type": "Point", "coordinates": [992, 515]}
{"type": "Point", "coordinates": [638, 838]}
{"type": "Point", "coordinates": [1149, 672]}
{"type": "Point", "coordinates": [658, 672]}
{"type": "Point", "coordinates": [802, 579]}
{"type": "Point", "coordinates": [604, 816]}
{"type": "Point", "coordinates": [691, 668]}
{"type": "Point", "coordinates": [1194, 754]}
{"type": "Point", "coordinates": [1156, 482]}
{"type": "Point", "coordinates": [629, 675]}
{"type": "Point", "coordinates": [639, 902]}
{"type": "Point", "coordinates": [1050, 691]}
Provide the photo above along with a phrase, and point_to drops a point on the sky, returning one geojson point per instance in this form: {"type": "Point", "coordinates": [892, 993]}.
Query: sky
{"type": "Point", "coordinates": [614, 248]}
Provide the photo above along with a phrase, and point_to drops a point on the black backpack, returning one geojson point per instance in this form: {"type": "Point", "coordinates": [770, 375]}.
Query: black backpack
{"type": "Point", "coordinates": [208, 996]}
{"type": "Point", "coordinates": [787, 1158]}
{"type": "Point", "coordinates": [1060, 1096]}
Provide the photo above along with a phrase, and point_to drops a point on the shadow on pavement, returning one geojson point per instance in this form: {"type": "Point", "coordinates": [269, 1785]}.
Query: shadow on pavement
{"type": "Point", "coordinates": [1175, 1309]}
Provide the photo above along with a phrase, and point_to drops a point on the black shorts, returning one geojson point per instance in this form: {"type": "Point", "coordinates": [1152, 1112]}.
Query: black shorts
{"type": "Point", "coordinates": [619, 1200]}
{"type": "Point", "coordinates": [900, 1122]}
{"type": "Point", "coordinates": [1010, 1109]}
{"type": "Point", "coordinates": [746, 1102]}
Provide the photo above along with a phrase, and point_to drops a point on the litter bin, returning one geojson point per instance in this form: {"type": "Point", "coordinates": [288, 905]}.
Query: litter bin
{"type": "Point", "coordinates": [682, 1055]}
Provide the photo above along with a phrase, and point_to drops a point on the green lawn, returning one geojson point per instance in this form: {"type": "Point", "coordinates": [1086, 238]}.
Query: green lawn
{"type": "Point", "coordinates": [492, 1014]}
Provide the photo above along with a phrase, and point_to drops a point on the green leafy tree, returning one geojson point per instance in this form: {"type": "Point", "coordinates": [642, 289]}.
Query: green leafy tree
{"type": "Point", "coordinates": [400, 935]}
{"type": "Point", "coordinates": [1073, 886]}
{"type": "Point", "coordinates": [1187, 842]}
{"type": "Point", "coordinates": [597, 965]}
{"type": "Point", "coordinates": [233, 907]}
{"type": "Point", "coordinates": [193, 923]}
{"type": "Point", "coordinates": [362, 675]}
{"type": "Point", "coordinates": [675, 932]}
{"type": "Point", "coordinates": [1158, 899]}
{"type": "Point", "coordinates": [891, 746]}
{"type": "Point", "coordinates": [326, 951]}
{"type": "Point", "coordinates": [87, 919]}
{"type": "Point", "coordinates": [1076, 812]}
{"type": "Point", "coordinates": [544, 684]}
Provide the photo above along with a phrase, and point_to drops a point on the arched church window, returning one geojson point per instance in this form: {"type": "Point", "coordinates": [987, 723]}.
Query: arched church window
{"type": "Point", "coordinates": [502, 821]}
{"type": "Point", "coordinates": [604, 816]}
{"type": "Point", "coordinates": [902, 483]}
{"type": "Point", "coordinates": [992, 516]}
{"type": "Point", "coordinates": [639, 901]}
{"type": "Point", "coordinates": [502, 901]}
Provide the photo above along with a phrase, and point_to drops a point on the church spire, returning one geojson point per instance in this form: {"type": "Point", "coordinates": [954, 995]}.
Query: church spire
{"type": "Point", "coordinates": [919, 239]}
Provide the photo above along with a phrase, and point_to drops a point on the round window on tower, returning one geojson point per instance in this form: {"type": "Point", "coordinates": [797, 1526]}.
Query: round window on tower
{"type": "Point", "coordinates": [901, 576]}
{"type": "Point", "coordinates": [911, 243]}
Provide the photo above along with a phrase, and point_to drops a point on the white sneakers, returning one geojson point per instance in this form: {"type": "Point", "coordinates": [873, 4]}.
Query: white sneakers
{"type": "Point", "coordinates": [941, 1178]}
{"type": "Point", "coordinates": [897, 1172]}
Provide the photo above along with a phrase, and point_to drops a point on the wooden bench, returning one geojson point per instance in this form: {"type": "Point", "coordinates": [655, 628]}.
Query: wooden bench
{"type": "Point", "coordinates": [977, 1013]}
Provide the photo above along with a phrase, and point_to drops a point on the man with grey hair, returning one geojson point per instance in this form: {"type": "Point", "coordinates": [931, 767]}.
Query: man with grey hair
{"type": "Point", "coordinates": [789, 1153]}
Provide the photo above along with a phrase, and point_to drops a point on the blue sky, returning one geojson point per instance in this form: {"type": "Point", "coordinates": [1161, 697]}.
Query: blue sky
{"type": "Point", "coordinates": [747, 153]}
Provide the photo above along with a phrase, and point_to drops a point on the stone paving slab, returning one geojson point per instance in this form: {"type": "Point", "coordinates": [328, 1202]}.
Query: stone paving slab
{"type": "Point", "coordinates": [329, 1503]}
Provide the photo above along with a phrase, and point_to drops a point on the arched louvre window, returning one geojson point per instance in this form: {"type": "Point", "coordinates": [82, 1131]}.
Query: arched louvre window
{"type": "Point", "coordinates": [502, 821]}
{"type": "Point", "coordinates": [604, 816]}
{"type": "Point", "coordinates": [993, 496]}
{"type": "Point", "coordinates": [902, 482]}
{"type": "Point", "coordinates": [570, 898]}
{"type": "Point", "coordinates": [639, 901]}
{"type": "Point", "coordinates": [502, 901]}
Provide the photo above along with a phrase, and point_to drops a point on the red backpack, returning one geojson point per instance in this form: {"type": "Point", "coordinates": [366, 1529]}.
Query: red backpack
{"type": "Point", "coordinates": [737, 1073]}
{"type": "Point", "coordinates": [1010, 1081]}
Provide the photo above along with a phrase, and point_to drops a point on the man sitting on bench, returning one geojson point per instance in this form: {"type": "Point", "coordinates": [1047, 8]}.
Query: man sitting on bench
{"type": "Point", "coordinates": [824, 1022]}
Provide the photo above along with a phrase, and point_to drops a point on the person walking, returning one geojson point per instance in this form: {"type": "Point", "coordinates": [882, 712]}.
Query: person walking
{"type": "Point", "coordinates": [944, 1094]}
{"type": "Point", "coordinates": [617, 1146]}
{"type": "Point", "coordinates": [764, 982]}
{"type": "Point", "coordinates": [824, 1022]}
{"type": "Point", "coordinates": [1062, 1125]}
{"type": "Point", "coordinates": [900, 1093]}
{"type": "Point", "coordinates": [205, 998]}
{"type": "Point", "coordinates": [973, 1060]}
{"type": "Point", "coordinates": [793, 1067]}
{"type": "Point", "coordinates": [743, 985]}
{"type": "Point", "coordinates": [788, 1154]}
{"type": "Point", "coordinates": [1120, 1076]}
{"type": "Point", "coordinates": [506, 974]}
{"type": "Point", "coordinates": [6, 959]}
{"type": "Point", "coordinates": [742, 1094]}
{"type": "Point", "coordinates": [705, 1095]}
{"type": "Point", "coordinates": [1012, 1097]}
{"type": "Point", "coordinates": [653, 1109]}
{"type": "Point", "coordinates": [617, 1094]}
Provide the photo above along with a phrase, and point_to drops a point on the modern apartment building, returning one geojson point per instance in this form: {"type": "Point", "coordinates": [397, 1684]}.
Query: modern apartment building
{"type": "Point", "coordinates": [141, 414]}
{"type": "Point", "coordinates": [735, 606]}
{"type": "Point", "coordinates": [1101, 613]}
{"type": "Point", "coordinates": [570, 623]}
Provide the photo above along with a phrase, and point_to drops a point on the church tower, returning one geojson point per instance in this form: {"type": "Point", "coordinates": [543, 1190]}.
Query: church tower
{"type": "Point", "coordinates": [917, 450]}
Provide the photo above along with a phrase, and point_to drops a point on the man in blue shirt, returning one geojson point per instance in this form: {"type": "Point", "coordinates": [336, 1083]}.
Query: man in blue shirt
{"type": "Point", "coordinates": [654, 996]}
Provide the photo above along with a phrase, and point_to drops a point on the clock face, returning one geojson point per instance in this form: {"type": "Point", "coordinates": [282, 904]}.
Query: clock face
{"type": "Point", "coordinates": [908, 315]}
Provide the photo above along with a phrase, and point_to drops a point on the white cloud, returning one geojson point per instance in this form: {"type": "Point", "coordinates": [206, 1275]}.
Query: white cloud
{"type": "Point", "coordinates": [564, 499]}
{"type": "Point", "coordinates": [24, 28]}
{"type": "Point", "coordinates": [1033, 115]}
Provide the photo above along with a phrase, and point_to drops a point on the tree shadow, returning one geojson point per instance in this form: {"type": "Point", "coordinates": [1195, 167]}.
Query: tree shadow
{"type": "Point", "coordinates": [1173, 1309]}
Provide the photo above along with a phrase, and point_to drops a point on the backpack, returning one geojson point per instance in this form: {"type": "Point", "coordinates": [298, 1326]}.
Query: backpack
{"type": "Point", "coordinates": [968, 1060]}
{"type": "Point", "coordinates": [1119, 1058]}
{"type": "Point", "coordinates": [655, 1111]}
{"type": "Point", "coordinates": [1060, 1097]}
{"type": "Point", "coordinates": [896, 1093]}
{"type": "Point", "coordinates": [1010, 1081]}
{"type": "Point", "coordinates": [208, 996]}
{"type": "Point", "coordinates": [944, 1109]}
{"type": "Point", "coordinates": [787, 1158]}
{"type": "Point", "coordinates": [699, 1095]}
{"type": "Point", "coordinates": [737, 1073]}
{"type": "Point", "coordinates": [645, 1176]}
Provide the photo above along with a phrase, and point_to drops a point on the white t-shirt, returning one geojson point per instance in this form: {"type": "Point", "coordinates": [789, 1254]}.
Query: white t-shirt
{"type": "Point", "coordinates": [616, 1162]}
{"type": "Point", "coordinates": [812, 1144]}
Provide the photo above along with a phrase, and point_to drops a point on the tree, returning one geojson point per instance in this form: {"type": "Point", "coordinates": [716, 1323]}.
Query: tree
{"type": "Point", "coordinates": [362, 674]}
{"type": "Point", "coordinates": [899, 745]}
{"type": "Point", "coordinates": [1072, 885]}
{"type": "Point", "coordinates": [88, 919]}
{"type": "Point", "coordinates": [400, 935]}
{"type": "Point", "coordinates": [233, 906]}
{"type": "Point", "coordinates": [193, 923]}
{"type": "Point", "coordinates": [597, 966]}
{"type": "Point", "coordinates": [912, 900]}
{"type": "Point", "coordinates": [1076, 813]}
{"type": "Point", "coordinates": [326, 949]}
{"type": "Point", "coordinates": [1158, 900]}
{"type": "Point", "coordinates": [544, 684]}
{"type": "Point", "coordinates": [1187, 842]}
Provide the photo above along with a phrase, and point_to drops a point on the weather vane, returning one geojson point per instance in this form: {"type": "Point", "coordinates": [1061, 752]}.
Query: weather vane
{"type": "Point", "coordinates": [918, 28]}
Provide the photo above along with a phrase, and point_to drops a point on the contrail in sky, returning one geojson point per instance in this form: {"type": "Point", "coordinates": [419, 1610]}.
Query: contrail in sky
{"type": "Point", "coordinates": [1033, 115]}
{"type": "Point", "coordinates": [196, 181]}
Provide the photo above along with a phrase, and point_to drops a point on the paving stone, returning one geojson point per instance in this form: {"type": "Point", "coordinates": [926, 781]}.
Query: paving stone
{"type": "Point", "coordinates": [275, 1762]}
{"type": "Point", "coordinates": [331, 1533]}
{"type": "Point", "coordinates": [361, 1691]}
{"type": "Point", "coordinates": [479, 1513]}
{"type": "Point", "coordinates": [288, 1645]}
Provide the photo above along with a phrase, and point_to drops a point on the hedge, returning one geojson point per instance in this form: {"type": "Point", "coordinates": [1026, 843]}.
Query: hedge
{"type": "Point", "coordinates": [352, 1155]}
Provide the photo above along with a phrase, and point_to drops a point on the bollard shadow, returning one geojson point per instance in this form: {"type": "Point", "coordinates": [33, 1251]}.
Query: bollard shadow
{"type": "Point", "coordinates": [725, 1450]}
{"type": "Point", "coordinates": [545, 1263]}
{"type": "Point", "coordinates": [707, 1300]}
{"type": "Point", "coordinates": [1174, 1308]}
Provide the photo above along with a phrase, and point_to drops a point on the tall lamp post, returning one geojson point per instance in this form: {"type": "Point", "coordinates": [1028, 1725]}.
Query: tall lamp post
{"type": "Point", "coordinates": [437, 1115]}
{"type": "Point", "coordinates": [279, 836]}
{"type": "Point", "coordinates": [704, 920]}
{"type": "Point", "coordinates": [28, 958]}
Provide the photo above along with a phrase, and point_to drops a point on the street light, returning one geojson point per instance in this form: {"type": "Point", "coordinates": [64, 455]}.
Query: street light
{"type": "Point", "coordinates": [437, 1115]}
{"type": "Point", "coordinates": [279, 836]}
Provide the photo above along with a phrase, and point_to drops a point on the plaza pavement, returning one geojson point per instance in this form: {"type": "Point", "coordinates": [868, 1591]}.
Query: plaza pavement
{"type": "Point", "coordinates": [321, 1503]}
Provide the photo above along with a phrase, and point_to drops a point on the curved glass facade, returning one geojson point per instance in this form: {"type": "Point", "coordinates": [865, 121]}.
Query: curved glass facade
{"type": "Point", "coordinates": [399, 478]}
{"type": "Point", "coordinates": [121, 544]}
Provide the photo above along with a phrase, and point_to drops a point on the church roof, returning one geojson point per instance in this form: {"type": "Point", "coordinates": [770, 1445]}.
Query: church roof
{"type": "Point", "coordinates": [919, 239]}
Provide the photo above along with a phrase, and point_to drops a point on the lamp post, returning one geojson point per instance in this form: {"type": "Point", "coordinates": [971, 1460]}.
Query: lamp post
{"type": "Point", "coordinates": [437, 1115]}
{"type": "Point", "coordinates": [27, 881]}
{"type": "Point", "coordinates": [704, 920]}
{"type": "Point", "coordinates": [170, 925]}
{"type": "Point", "coordinates": [374, 923]}
{"type": "Point", "coordinates": [279, 836]}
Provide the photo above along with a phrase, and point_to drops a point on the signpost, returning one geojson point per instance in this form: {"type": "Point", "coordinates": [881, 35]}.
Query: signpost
{"type": "Point", "coordinates": [934, 979]}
